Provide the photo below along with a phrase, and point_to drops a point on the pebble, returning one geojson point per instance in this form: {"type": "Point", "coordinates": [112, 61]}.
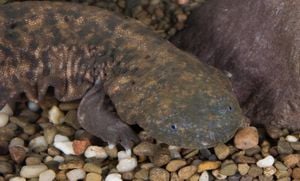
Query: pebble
{"type": "Point", "coordinates": [208, 165]}
{"type": "Point", "coordinates": [113, 177]}
{"type": "Point", "coordinates": [218, 175]}
{"type": "Point", "coordinates": [269, 171]}
{"type": "Point", "coordinates": [174, 152]}
{"type": "Point", "coordinates": [38, 144]}
{"type": "Point", "coordinates": [33, 106]}
{"type": "Point", "coordinates": [159, 174]}
{"type": "Point", "coordinates": [95, 151]}
{"type": "Point", "coordinates": [17, 153]}
{"type": "Point", "coordinates": [161, 157]}
{"type": "Point", "coordinates": [252, 151]}
{"type": "Point", "coordinates": [17, 179]}
{"type": "Point", "coordinates": [32, 171]}
{"type": "Point", "coordinates": [280, 166]}
{"type": "Point", "coordinates": [144, 149]}
{"type": "Point", "coordinates": [127, 165]}
{"type": "Point", "coordinates": [284, 147]}
{"type": "Point", "coordinates": [266, 162]}
{"type": "Point", "coordinates": [291, 138]}
{"type": "Point", "coordinates": [204, 176]}
{"type": "Point", "coordinates": [7, 110]}
{"type": "Point", "coordinates": [244, 159]}
{"type": "Point", "coordinates": [5, 167]}
{"type": "Point", "coordinates": [16, 142]}
{"type": "Point", "coordinates": [228, 169]}
{"type": "Point", "coordinates": [71, 119]}
{"type": "Point", "coordinates": [58, 158]}
{"type": "Point", "coordinates": [246, 138]}
{"type": "Point", "coordinates": [93, 177]}
{"type": "Point", "coordinates": [186, 172]}
{"type": "Point", "coordinates": [243, 168]}
{"type": "Point", "coordinates": [255, 171]}
{"type": "Point", "coordinates": [296, 173]}
{"type": "Point", "coordinates": [66, 147]}
{"type": "Point", "coordinates": [92, 167]}
{"type": "Point", "coordinates": [295, 146]}
{"type": "Point", "coordinates": [291, 160]}
{"type": "Point", "coordinates": [142, 174]}
{"type": "Point", "coordinates": [60, 138]}
{"type": "Point", "coordinates": [222, 151]}
{"type": "Point", "coordinates": [49, 133]}
{"type": "Point", "coordinates": [33, 160]}
{"type": "Point", "coordinates": [174, 165]}
{"type": "Point", "coordinates": [112, 152]}
{"type": "Point", "coordinates": [55, 115]}
{"type": "Point", "coordinates": [47, 175]}
{"type": "Point", "coordinates": [124, 155]}
{"type": "Point", "coordinates": [3, 147]}
{"type": "Point", "coordinates": [71, 164]}
{"type": "Point", "coordinates": [80, 146]}
{"type": "Point", "coordinates": [3, 119]}
{"type": "Point", "coordinates": [76, 174]}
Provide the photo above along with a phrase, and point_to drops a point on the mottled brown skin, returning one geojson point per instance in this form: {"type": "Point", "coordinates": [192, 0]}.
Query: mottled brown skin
{"type": "Point", "coordinates": [85, 52]}
{"type": "Point", "coordinates": [258, 42]}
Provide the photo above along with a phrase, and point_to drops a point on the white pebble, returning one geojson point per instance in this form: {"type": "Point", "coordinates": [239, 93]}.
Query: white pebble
{"type": "Point", "coordinates": [16, 142]}
{"type": "Point", "coordinates": [61, 138]}
{"type": "Point", "coordinates": [127, 165]}
{"type": "Point", "coordinates": [76, 174]}
{"type": "Point", "coordinates": [17, 179]}
{"type": "Point", "coordinates": [56, 116]}
{"type": "Point", "coordinates": [204, 176]}
{"type": "Point", "coordinates": [266, 162]}
{"type": "Point", "coordinates": [47, 175]}
{"type": "Point", "coordinates": [38, 142]}
{"type": "Point", "coordinates": [59, 158]}
{"type": "Point", "coordinates": [95, 151]}
{"type": "Point", "coordinates": [113, 177]}
{"type": "Point", "coordinates": [66, 147]}
{"type": "Point", "coordinates": [7, 109]}
{"type": "Point", "coordinates": [48, 159]}
{"type": "Point", "coordinates": [32, 171]}
{"type": "Point", "coordinates": [291, 138]}
{"type": "Point", "coordinates": [33, 106]}
{"type": "Point", "coordinates": [124, 155]}
{"type": "Point", "coordinates": [3, 119]}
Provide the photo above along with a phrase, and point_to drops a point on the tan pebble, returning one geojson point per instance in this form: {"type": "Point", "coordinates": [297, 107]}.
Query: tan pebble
{"type": "Point", "coordinates": [127, 175]}
{"type": "Point", "coordinates": [282, 174]}
{"type": "Point", "coordinates": [55, 115]}
{"type": "Point", "coordinates": [255, 171]}
{"type": "Point", "coordinates": [222, 151]}
{"type": "Point", "coordinates": [269, 171]}
{"type": "Point", "coordinates": [195, 177]}
{"type": "Point", "coordinates": [144, 149]}
{"type": "Point", "coordinates": [291, 160]}
{"type": "Point", "coordinates": [296, 173]}
{"type": "Point", "coordinates": [112, 152]}
{"type": "Point", "coordinates": [174, 165]}
{"type": "Point", "coordinates": [61, 176]}
{"type": "Point", "coordinates": [187, 172]}
{"type": "Point", "coordinates": [208, 165]}
{"type": "Point", "coordinates": [80, 146]}
{"type": "Point", "coordinates": [92, 167]}
{"type": "Point", "coordinates": [243, 168]}
{"type": "Point", "coordinates": [161, 157]}
{"type": "Point", "coordinates": [285, 179]}
{"type": "Point", "coordinates": [71, 164]}
{"type": "Point", "coordinates": [159, 174]}
{"type": "Point", "coordinates": [32, 160]}
{"type": "Point", "coordinates": [147, 166]}
{"type": "Point", "coordinates": [218, 175]}
{"type": "Point", "coordinates": [280, 166]}
{"type": "Point", "coordinates": [93, 177]}
{"type": "Point", "coordinates": [174, 177]}
{"type": "Point", "coordinates": [142, 174]}
{"type": "Point", "coordinates": [246, 138]}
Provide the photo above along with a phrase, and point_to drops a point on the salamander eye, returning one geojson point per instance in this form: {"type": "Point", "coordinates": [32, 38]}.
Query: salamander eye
{"type": "Point", "coordinates": [229, 108]}
{"type": "Point", "coordinates": [174, 127]}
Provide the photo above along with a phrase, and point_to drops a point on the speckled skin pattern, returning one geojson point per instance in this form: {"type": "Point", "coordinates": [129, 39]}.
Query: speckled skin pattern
{"type": "Point", "coordinates": [258, 42]}
{"type": "Point", "coordinates": [85, 52]}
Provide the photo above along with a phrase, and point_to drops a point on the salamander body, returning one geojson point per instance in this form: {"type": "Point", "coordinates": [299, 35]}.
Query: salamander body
{"type": "Point", "coordinates": [86, 53]}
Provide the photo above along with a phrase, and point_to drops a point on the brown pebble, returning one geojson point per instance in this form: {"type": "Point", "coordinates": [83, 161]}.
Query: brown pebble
{"type": "Point", "coordinates": [244, 159]}
{"type": "Point", "coordinates": [255, 171]}
{"type": "Point", "coordinates": [174, 177]}
{"type": "Point", "coordinates": [291, 160]}
{"type": "Point", "coordinates": [144, 149]}
{"type": "Point", "coordinates": [142, 174]}
{"type": "Point", "coordinates": [243, 168]}
{"type": "Point", "coordinates": [296, 173]}
{"type": "Point", "coordinates": [161, 157]}
{"type": "Point", "coordinates": [208, 165]}
{"type": "Point", "coordinates": [174, 165]}
{"type": "Point", "coordinates": [127, 175]}
{"type": "Point", "coordinates": [222, 151]}
{"type": "Point", "coordinates": [61, 176]}
{"type": "Point", "coordinates": [71, 164]}
{"type": "Point", "coordinates": [246, 138]}
{"type": "Point", "coordinates": [159, 174]}
{"type": "Point", "coordinates": [17, 153]}
{"type": "Point", "coordinates": [228, 169]}
{"type": "Point", "coordinates": [80, 146]}
{"type": "Point", "coordinates": [187, 172]}
{"type": "Point", "coordinates": [32, 160]}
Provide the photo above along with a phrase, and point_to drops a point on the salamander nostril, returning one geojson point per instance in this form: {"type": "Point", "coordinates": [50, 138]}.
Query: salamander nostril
{"type": "Point", "coordinates": [174, 127]}
{"type": "Point", "coordinates": [230, 108]}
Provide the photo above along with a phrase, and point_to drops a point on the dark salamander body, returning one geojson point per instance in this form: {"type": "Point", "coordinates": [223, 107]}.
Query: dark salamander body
{"type": "Point", "coordinates": [85, 52]}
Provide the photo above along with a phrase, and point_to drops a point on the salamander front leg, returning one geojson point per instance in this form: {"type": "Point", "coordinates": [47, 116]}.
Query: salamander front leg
{"type": "Point", "coordinates": [100, 122]}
